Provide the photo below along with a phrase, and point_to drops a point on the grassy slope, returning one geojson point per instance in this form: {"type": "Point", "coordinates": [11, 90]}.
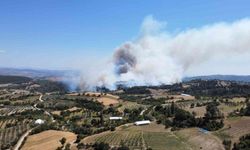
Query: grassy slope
{"type": "Point", "coordinates": [158, 138]}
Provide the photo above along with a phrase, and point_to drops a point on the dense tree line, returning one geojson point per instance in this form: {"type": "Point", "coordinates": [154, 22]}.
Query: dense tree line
{"type": "Point", "coordinates": [89, 104]}
{"type": "Point", "coordinates": [244, 111]}
{"type": "Point", "coordinates": [217, 88]}
{"type": "Point", "coordinates": [47, 86]}
{"type": "Point", "coordinates": [247, 110]}
{"type": "Point", "coordinates": [137, 90]}
{"type": "Point", "coordinates": [173, 116]}
{"type": "Point", "coordinates": [244, 143]}
{"type": "Point", "coordinates": [102, 146]}
{"type": "Point", "coordinates": [44, 127]}
{"type": "Point", "coordinates": [200, 88]}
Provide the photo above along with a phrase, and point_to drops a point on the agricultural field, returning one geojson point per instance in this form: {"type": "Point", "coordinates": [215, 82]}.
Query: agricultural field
{"type": "Point", "coordinates": [73, 110]}
{"type": "Point", "coordinates": [129, 135]}
{"type": "Point", "coordinates": [25, 101]}
{"type": "Point", "coordinates": [10, 135]}
{"type": "Point", "coordinates": [160, 93]}
{"type": "Point", "coordinates": [160, 141]}
{"type": "Point", "coordinates": [238, 99]}
{"type": "Point", "coordinates": [10, 110]}
{"type": "Point", "coordinates": [47, 140]}
{"type": "Point", "coordinates": [199, 111]}
{"type": "Point", "coordinates": [87, 116]}
{"type": "Point", "coordinates": [199, 140]}
{"type": "Point", "coordinates": [158, 138]}
{"type": "Point", "coordinates": [132, 139]}
{"type": "Point", "coordinates": [234, 128]}
{"type": "Point", "coordinates": [227, 109]}
{"type": "Point", "coordinates": [130, 105]}
{"type": "Point", "coordinates": [106, 100]}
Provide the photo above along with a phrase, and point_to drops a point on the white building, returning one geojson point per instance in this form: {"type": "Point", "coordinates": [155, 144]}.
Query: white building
{"type": "Point", "coordinates": [39, 121]}
{"type": "Point", "coordinates": [115, 118]}
{"type": "Point", "coordinates": [144, 122]}
{"type": "Point", "coordinates": [185, 94]}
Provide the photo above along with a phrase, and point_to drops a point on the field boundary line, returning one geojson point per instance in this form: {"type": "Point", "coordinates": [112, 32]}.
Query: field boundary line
{"type": "Point", "coordinates": [143, 141]}
{"type": "Point", "coordinates": [188, 145]}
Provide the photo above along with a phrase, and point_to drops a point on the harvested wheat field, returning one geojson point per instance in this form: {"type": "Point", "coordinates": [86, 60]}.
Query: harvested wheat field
{"type": "Point", "coordinates": [57, 112]}
{"type": "Point", "coordinates": [227, 109]}
{"type": "Point", "coordinates": [93, 94]}
{"type": "Point", "coordinates": [200, 111]}
{"type": "Point", "coordinates": [106, 100]}
{"type": "Point", "coordinates": [47, 140]}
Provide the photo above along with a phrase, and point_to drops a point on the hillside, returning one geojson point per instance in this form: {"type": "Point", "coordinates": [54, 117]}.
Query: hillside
{"type": "Point", "coordinates": [4, 79]}
{"type": "Point", "coordinates": [36, 73]}
{"type": "Point", "coordinates": [240, 78]}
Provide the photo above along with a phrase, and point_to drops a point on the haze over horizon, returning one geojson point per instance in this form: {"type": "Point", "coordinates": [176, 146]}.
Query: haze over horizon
{"type": "Point", "coordinates": [127, 40]}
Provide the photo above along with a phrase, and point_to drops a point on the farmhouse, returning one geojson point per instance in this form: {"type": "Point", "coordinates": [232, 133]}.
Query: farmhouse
{"type": "Point", "coordinates": [144, 122]}
{"type": "Point", "coordinates": [115, 118]}
{"type": "Point", "coordinates": [39, 121]}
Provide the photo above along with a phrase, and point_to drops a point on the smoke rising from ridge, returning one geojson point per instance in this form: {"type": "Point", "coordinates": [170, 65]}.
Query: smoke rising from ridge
{"type": "Point", "coordinates": [158, 57]}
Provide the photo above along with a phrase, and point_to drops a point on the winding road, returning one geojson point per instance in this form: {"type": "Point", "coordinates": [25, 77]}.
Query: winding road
{"type": "Point", "coordinates": [20, 141]}
{"type": "Point", "coordinates": [45, 112]}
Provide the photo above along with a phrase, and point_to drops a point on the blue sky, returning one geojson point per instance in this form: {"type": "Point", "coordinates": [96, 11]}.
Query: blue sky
{"type": "Point", "coordinates": [59, 34]}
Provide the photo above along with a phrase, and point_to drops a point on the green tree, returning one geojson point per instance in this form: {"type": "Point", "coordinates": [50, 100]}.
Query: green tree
{"type": "Point", "coordinates": [67, 147]}
{"type": "Point", "coordinates": [101, 146]}
{"type": "Point", "coordinates": [247, 113]}
{"type": "Point", "coordinates": [63, 140]}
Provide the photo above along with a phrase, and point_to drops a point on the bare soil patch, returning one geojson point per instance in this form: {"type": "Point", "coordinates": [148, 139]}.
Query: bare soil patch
{"type": "Point", "coordinates": [200, 111]}
{"type": "Point", "coordinates": [56, 112]}
{"type": "Point", "coordinates": [47, 140]}
{"type": "Point", "coordinates": [107, 101]}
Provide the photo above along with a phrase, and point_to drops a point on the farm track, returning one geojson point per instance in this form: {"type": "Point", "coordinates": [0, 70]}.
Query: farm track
{"type": "Point", "coordinates": [12, 134]}
{"type": "Point", "coordinates": [21, 140]}
{"type": "Point", "coordinates": [45, 112]}
{"type": "Point", "coordinates": [185, 143]}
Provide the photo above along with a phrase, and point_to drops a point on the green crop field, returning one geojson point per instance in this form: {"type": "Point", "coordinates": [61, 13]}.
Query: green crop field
{"type": "Point", "coordinates": [160, 141]}
{"type": "Point", "coordinates": [131, 139]}
{"type": "Point", "coordinates": [141, 138]}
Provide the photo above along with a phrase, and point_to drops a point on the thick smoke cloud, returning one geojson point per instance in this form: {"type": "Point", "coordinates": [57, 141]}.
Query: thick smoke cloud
{"type": "Point", "coordinates": [124, 59]}
{"type": "Point", "coordinates": [159, 57]}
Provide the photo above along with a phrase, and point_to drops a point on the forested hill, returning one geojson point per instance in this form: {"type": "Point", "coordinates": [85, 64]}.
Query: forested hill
{"type": "Point", "coordinates": [13, 79]}
{"type": "Point", "coordinates": [239, 78]}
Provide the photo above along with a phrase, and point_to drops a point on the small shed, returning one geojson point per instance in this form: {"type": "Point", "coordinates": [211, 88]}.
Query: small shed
{"type": "Point", "coordinates": [115, 118]}
{"type": "Point", "coordinates": [144, 122]}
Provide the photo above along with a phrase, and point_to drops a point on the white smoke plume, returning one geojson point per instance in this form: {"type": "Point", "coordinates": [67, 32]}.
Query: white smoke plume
{"type": "Point", "coordinates": [159, 57]}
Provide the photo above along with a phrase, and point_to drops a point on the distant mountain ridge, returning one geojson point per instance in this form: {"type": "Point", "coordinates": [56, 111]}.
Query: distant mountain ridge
{"type": "Point", "coordinates": [35, 73]}
{"type": "Point", "coordinates": [42, 73]}
{"type": "Point", "coordinates": [238, 78]}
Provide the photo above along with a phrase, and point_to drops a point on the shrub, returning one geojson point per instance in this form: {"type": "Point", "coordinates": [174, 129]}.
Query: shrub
{"type": "Point", "coordinates": [227, 144]}
{"type": "Point", "coordinates": [112, 128]}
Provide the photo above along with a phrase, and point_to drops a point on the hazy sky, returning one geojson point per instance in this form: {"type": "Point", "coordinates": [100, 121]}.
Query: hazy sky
{"type": "Point", "coordinates": [64, 34]}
